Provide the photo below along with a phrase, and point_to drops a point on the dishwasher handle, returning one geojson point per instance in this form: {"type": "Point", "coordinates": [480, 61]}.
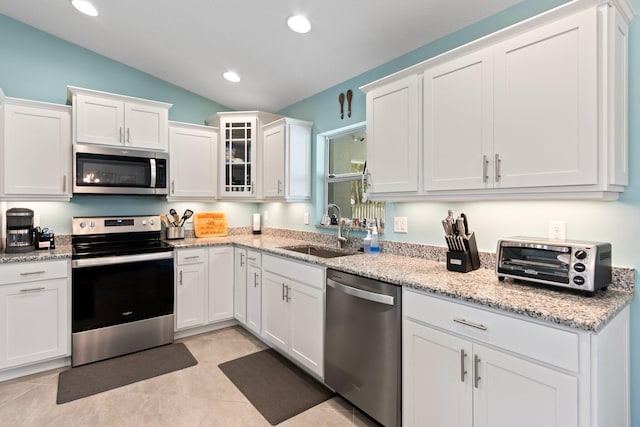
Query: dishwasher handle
{"type": "Point", "coordinates": [359, 293]}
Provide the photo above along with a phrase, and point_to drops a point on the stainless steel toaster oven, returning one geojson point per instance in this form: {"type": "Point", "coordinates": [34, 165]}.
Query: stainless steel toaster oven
{"type": "Point", "coordinates": [568, 264]}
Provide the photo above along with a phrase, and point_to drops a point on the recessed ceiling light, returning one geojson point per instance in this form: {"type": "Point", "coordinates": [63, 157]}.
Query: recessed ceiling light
{"type": "Point", "coordinates": [231, 76]}
{"type": "Point", "coordinates": [299, 24]}
{"type": "Point", "coordinates": [85, 7]}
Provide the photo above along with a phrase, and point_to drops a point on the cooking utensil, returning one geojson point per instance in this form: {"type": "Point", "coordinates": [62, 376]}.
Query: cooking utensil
{"type": "Point", "coordinates": [185, 216]}
{"type": "Point", "coordinates": [341, 101]}
{"type": "Point", "coordinates": [165, 221]}
{"type": "Point", "coordinates": [174, 215]}
{"type": "Point", "coordinates": [349, 97]}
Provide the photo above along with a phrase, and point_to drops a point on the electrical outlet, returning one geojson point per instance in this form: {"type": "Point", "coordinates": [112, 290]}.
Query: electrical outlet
{"type": "Point", "coordinates": [306, 218]}
{"type": "Point", "coordinates": [400, 224]}
{"type": "Point", "coordinates": [557, 230]}
{"type": "Point", "coordinates": [36, 220]}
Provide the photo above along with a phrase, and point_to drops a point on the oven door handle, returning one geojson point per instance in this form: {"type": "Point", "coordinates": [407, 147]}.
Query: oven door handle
{"type": "Point", "coordinates": [359, 293]}
{"type": "Point", "coordinates": [122, 259]}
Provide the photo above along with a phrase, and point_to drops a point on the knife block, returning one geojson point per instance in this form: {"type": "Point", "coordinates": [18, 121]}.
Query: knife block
{"type": "Point", "coordinates": [464, 262]}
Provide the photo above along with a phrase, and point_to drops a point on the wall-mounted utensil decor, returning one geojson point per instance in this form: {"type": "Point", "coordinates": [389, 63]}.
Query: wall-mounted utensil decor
{"type": "Point", "coordinates": [341, 101]}
{"type": "Point", "coordinates": [349, 97]}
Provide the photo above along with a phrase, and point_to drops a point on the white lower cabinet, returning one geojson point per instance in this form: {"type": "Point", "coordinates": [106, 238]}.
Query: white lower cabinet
{"type": "Point", "coordinates": [34, 325]}
{"type": "Point", "coordinates": [254, 292]}
{"type": "Point", "coordinates": [467, 366]}
{"type": "Point", "coordinates": [204, 286]}
{"type": "Point", "coordinates": [191, 288]}
{"type": "Point", "coordinates": [293, 310]}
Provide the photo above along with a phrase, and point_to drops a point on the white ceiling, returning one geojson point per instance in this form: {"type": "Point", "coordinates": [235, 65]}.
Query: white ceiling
{"type": "Point", "coordinates": [190, 43]}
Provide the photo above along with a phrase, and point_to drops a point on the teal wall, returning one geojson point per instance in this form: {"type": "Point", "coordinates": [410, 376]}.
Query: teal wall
{"type": "Point", "coordinates": [37, 66]}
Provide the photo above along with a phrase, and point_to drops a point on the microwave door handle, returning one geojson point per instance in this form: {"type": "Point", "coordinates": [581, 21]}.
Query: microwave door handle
{"type": "Point", "coordinates": [152, 162]}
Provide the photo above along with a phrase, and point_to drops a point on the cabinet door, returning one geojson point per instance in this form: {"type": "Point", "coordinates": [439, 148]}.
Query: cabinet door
{"type": "Point", "coordinates": [275, 311]}
{"type": "Point", "coordinates": [238, 174]}
{"type": "Point", "coordinates": [40, 138]}
{"type": "Point", "coordinates": [392, 136]}
{"type": "Point", "coordinates": [240, 285]}
{"type": "Point", "coordinates": [274, 162]}
{"type": "Point", "coordinates": [514, 392]}
{"type": "Point", "coordinates": [458, 123]}
{"type": "Point", "coordinates": [306, 308]}
{"type": "Point", "coordinates": [254, 299]}
{"type": "Point", "coordinates": [34, 325]}
{"type": "Point", "coordinates": [146, 126]}
{"type": "Point", "coordinates": [99, 120]}
{"type": "Point", "coordinates": [437, 375]}
{"type": "Point", "coordinates": [193, 163]}
{"type": "Point", "coordinates": [191, 301]}
{"type": "Point", "coordinates": [221, 292]}
{"type": "Point", "coordinates": [546, 102]}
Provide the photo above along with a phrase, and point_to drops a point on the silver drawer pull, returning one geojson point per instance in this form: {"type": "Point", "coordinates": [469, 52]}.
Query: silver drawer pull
{"type": "Point", "coordinates": [252, 258]}
{"type": "Point", "coordinates": [463, 371]}
{"type": "Point", "coordinates": [31, 273]}
{"type": "Point", "coordinates": [473, 325]}
{"type": "Point", "coordinates": [192, 257]}
{"type": "Point", "coordinates": [476, 374]}
{"type": "Point", "coordinates": [33, 289]}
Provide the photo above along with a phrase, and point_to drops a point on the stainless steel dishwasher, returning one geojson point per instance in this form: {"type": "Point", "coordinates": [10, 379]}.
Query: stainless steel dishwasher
{"type": "Point", "coordinates": [363, 344]}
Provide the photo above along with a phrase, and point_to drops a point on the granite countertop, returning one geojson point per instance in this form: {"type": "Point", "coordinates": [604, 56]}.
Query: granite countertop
{"type": "Point", "coordinates": [563, 307]}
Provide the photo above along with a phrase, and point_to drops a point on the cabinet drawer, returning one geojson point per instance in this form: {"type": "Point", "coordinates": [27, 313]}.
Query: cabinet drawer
{"type": "Point", "coordinates": [545, 343]}
{"type": "Point", "coordinates": [304, 273]}
{"type": "Point", "coordinates": [254, 259]}
{"type": "Point", "coordinates": [191, 256]}
{"type": "Point", "coordinates": [32, 271]}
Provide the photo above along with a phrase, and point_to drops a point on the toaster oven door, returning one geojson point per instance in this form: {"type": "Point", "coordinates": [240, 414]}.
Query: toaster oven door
{"type": "Point", "coordinates": [538, 262]}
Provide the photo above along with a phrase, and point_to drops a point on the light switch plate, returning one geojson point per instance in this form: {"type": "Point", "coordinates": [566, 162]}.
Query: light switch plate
{"type": "Point", "coordinates": [400, 224]}
{"type": "Point", "coordinates": [306, 218]}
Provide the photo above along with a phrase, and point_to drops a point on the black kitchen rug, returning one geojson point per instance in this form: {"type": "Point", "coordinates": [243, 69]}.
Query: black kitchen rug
{"type": "Point", "coordinates": [277, 388]}
{"type": "Point", "coordinates": [87, 380]}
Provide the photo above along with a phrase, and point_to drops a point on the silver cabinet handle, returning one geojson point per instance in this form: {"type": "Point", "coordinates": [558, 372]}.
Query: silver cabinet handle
{"type": "Point", "coordinates": [121, 134]}
{"type": "Point", "coordinates": [485, 168]}
{"type": "Point", "coordinates": [252, 188]}
{"type": "Point", "coordinates": [476, 375]}
{"type": "Point", "coordinates": [472, 324]}
{"type": "Point", "coordinates": [287, 297]}
{"type": "Point", "coordinates": [463, 372]}
{"type": "Point", "coordinates": [64, 183]}
{"type": "Point", "coordinates": [255, 280]}
{"type": "Point", "coordinates": [32, 289]}
{"type": "Point", "coordinates": [279, 186]}
{"type": "Point", "coordinates": [128, 136]}
{"type": "Point", "coordinates": [31, 273]}
{"type": "Point", "coordinates": [241, 259]}
{"type": "Point", "coordinates": [497, 168]}
{"type": "Point", "coordinates": [283, 291]}
{"type": "Point", "coordinates": [192, 257]}
{"type": "Point", "coordinates": [173, 186]}
{"type": "Point", "coordinates": [251, 258]}
{"type": "Point", "coordinates": [180, 277]}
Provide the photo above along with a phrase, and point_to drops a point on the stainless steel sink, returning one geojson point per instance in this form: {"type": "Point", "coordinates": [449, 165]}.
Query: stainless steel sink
{"type": "Point", "coordinates": [319, 251]}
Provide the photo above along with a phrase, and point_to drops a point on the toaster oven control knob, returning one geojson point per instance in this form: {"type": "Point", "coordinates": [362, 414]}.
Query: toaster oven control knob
{"type": "Point", "coordinates": [579, 267]}
{"type": "Point", "coordinates": [92, 224]}
{"type": "Point", "coordinates": [580, 254]}
{"type": "Point", "coordinates": [83, 224]}
{"type": "Point", "coordinates": [144, 222]}
{"type": "Point", "coordinates": [578, 280]}
{"type": "Point", "coordinates": [151, 222]}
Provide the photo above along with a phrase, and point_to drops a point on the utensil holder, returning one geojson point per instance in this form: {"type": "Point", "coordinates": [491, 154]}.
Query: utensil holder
{"type": "Point", "coordinates": [174, 233]}
{"type": "Point", "coordinates": [464, 262]}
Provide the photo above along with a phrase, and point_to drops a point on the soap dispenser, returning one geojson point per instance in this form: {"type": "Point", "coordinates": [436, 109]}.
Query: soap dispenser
{"type": "Point", "coordinates": [367, 242]}
{"type": "Point", "coordinates": [375, 248]}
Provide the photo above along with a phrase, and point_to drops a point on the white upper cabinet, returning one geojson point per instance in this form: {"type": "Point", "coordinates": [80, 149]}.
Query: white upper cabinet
{"type": "Point", "coordinates": [287, 160]}
{"type": "Point", "coordinates": [458, 122]}
{"type": "Point", "coordinates": [392, 136]}
{"type": "Point", "coordinates": [546, 105]}
{"type": "Point", "coordinates": [36, 134]}
{"type": "Point", "coordinates": [110, 119]}
{"type": "Point", "coordinates": [537, 110]}
{"type": "Point", "coordinates": [193, 162]}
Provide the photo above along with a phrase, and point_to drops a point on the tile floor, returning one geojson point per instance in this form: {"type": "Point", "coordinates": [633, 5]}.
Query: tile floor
{"type": "Point", "coordinates": [197, 396]}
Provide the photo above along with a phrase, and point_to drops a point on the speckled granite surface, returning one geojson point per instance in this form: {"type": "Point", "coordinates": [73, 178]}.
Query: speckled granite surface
{"type": "Point", "coordinates": [422, 267]}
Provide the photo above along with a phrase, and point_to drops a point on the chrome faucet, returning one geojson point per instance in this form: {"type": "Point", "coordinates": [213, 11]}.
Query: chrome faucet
{"type": "Point", "coordinates": [341, 240]}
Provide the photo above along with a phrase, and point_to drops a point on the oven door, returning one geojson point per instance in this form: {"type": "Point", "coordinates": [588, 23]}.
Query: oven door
{"type": "Point", "coordinates": [538, 262]}
{"type": "Point", "coordinates": [115, 290]}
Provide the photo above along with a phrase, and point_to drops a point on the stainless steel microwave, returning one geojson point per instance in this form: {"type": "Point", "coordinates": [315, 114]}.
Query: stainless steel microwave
{"type": "Point", "coordinates": [576, 264]}
{"type": "Point", "coordinates": [114, 170]}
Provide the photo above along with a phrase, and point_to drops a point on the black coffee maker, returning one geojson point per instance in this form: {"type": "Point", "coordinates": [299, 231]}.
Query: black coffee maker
{"type": "Point", "coordinates": [20, 231]}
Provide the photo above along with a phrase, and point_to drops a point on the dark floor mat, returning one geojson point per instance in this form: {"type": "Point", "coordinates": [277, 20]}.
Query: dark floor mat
{"type": "Point", "coordinates": [86, 380]}
{"type": "Point", "coordinates": [276, 387]}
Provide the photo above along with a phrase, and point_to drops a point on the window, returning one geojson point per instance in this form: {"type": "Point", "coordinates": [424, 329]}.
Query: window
{"type": "Point", "coordinates": [345, 177]}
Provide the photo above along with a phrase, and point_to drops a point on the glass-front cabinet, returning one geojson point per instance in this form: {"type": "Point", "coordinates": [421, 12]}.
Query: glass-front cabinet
{"type": "Point", "coordinates": [238, 175]}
